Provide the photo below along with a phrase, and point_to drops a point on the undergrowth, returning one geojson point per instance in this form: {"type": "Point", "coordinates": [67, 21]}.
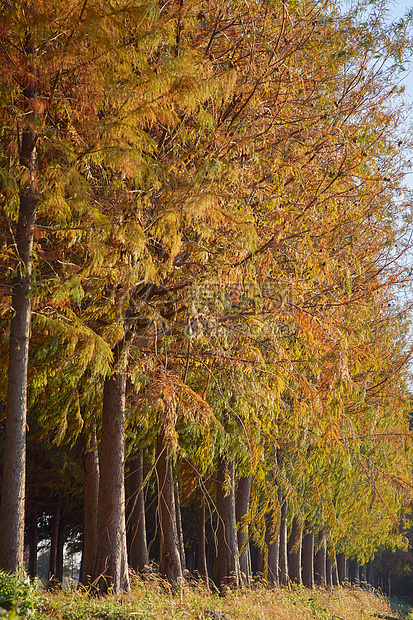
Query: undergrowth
{"type": "Point", "coordinates": [153, 600]}
{"type": "Point", "coordinates": [18, 596]}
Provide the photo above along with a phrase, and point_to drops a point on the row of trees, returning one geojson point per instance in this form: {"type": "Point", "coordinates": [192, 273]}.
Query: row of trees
{"type": "Point", "coordinates": [201, 216]}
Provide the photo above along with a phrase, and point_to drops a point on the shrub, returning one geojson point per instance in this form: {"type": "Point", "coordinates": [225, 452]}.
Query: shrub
{"type": "Point", "coordinates": [17, 594]}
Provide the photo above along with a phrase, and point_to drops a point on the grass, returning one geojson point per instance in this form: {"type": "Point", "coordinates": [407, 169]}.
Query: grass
{"type": "Point", "coordinates": [152, 600]}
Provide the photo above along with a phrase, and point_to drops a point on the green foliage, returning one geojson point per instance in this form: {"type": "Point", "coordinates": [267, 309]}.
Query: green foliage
{"type": "Point", "coordinates": [17, 595]}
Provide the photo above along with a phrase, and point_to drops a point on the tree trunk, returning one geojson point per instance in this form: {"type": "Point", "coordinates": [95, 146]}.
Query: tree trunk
{"type": "Point", "coordinates": [362, 576]}
{"type": "Point", "coordinates": [61, 539]}
{"type": "Point", "coordinates": [341, 568]}
{"type": "Point", "coordinates": [110, 569]}
{"type": "Point", "coordinates": [329, 570]}
{"type": "Point", "coordinates": [226, 565]}
{"type": "Point", "coordinates": [14, 461]}
{"type": "Point", "coordinates": [283, 568]}
{"type": "Point", "coordinates": [354, 572]}
{"type": "Point", "coordinates": [139, 559]}
{"type": "Point", "coordinates": [321, 558]}
{"type": "Point", "coordinates": [33, 540]}
{"type": "Point", "coordinates": [259, 553]}
{"type": "Point", "coordinates": [370, 574]}
{"type": "Point", "coordinates": [241, 511]}
{"type": "Point", "coordinates": [272, 539]}
{"type": "Point", "coordinates": [336, 581]}
{"type": "Point", "coordinates": [170, 566]}
{"type": "Point", "coordinates": [308, 557]}
{"type": "Point", "coordinates": [53, 580]}
{"type": "Point", "coordinates": [179, 527]}
{"type": "Point", "coordinates": [90, 502]}
{"type": "Point", "coordinates": [202, 559]}
{"type": "Point", "coordinates": [295, 547]}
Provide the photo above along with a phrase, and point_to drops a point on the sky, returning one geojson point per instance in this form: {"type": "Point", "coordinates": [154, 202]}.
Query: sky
{"type": "Point", "coordinates": [398, 9]}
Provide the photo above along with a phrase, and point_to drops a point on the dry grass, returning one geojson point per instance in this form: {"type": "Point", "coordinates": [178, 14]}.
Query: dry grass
{"type": "Point", "coordinates": [151, 600]}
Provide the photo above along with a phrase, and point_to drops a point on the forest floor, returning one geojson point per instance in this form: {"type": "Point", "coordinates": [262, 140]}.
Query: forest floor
{"type": "Point", "coordinates": [152, 601]}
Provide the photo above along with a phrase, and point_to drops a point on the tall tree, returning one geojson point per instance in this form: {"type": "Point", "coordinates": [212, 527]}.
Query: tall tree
{"type": "Point", "coordinates": [110, 567]}
{"type": "Point", "coordinates": [138, 555]}
{"type": "Point", "coordinates": [90, 501]}
{"type": "Point", "coordinates": [170, 563]}
{"type": "Point", "coordinates": [14, 469]}
{"type": "Point", "coordinates": [295, 545]}
{"type": "Point", "coordinates": [241, 512]}
{"type": "Point", "coordinates": [226, 565]}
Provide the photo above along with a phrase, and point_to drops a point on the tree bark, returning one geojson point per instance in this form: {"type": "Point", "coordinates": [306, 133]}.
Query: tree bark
{"type": "Point", "coordinates": [295, 547]}
{"type": "Point", "coordinates": [329, 570]}
{"type": "Point", "coordinates": [202, 559]}
{"type": "Point", "coordinates": [170, 566]}
{"type": "Point", "coordinates": [354, 572]}
{"type": "Point", "coordinates": [272, 539]}
{"type": "Point", "coordinates": [283, 557]}
{"type": "Point", "coordinates": [273, 545]}
{"type": "Point", "coordinates": [12, 509]}
{"type": "Point", "coordinates": [370, 574]}
{"type": "Point", "coordinates": [363, 575]}
{"type": "Point", "coordinates": [308, 556]}
{"type": "Point", "coordinates": [61, 539]}
{"type": "Point", "coordinates": [259, 553]}
{"type": "Point", "coordinates": [33, 540]}
{"type": "Point", "coordinates": [226, 566]}
{"type": "Point", "coordinates": [139, 559]}
{"type": "Point", "coordinates": [241, 511]}
{"type": "Point", "coordinates": [321, 559]}
{"type": "Point", "coordinates": [54, 541]}
{"type": "Point", "coordinates": [336, 581]}
{"type": "Point", "coordinates": [110, 569]}
{"type": "Point", "coordinates": [179, 526]}
{"type": "Point", "coordinates": [341, 568]}
{"type": "Point", "coordinates": [90, 503]}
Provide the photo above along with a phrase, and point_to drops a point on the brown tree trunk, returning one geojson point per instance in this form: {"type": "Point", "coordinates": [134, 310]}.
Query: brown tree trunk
{"type": "Point", "coordinates": [283, 557]}
{"type": "Point", "coordinates": [272, 539]}
{"type": "Point", "coordinates": [14, 460]}
{"type": "Point", "coordinates": [170, 566]}
{"type": "Point", "coordinates": [241, 511]}
{"type": "Point", "coordinates": [336, 581]}
{"type": "Point", "coordinates": [341, 568]}
{"type": "Point", "coordinates": [260, 552]}
{"type": "Point", "coordinates": [273, 561]}
{"type": "Point", "coordinates": [329, 570]}
{"type": "Point", "coordinates": [53, 578]}
{"type": "Point", "coordinates": [179, 527]}
{"type": "Point", "coordinates": [363, 575]}
{"type": "Point", "coordinates": [308, 556]}
{"type": "Point", "coordinates": [226, 565]}
{"type": "Point", "coordinates": [90, 502]}
{"type": "Point", "coordinates": [321, 558]}
{"type": "Point", "coordinates": [370, 574]}
{"type": "Point", "coordinates": [110, 568]}
{"type": "Point", "coordinates": [61, 539]}
{"type": "Point", "coordinates": [138, 558]}
{"type": "Point", "coordinates": [295, 546]}
{"type": "Point", "coordinates": [33, 540]}
{"type": "Point", "coordinates": [354, 572]}
{"type": "Point", "coordinates": [202, 560]}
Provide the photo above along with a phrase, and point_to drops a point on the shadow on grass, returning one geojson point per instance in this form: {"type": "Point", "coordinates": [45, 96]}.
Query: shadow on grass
{"type": "Point", "coordinates": [401, 609]}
